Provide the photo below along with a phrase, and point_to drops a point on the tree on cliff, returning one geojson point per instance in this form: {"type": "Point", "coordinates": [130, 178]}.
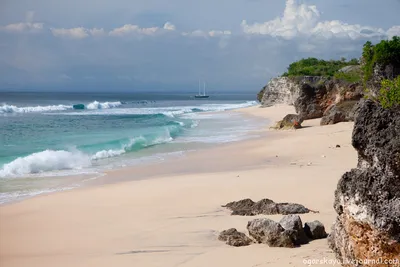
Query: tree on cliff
{"type": "Point", "coordinates": [385, 53]}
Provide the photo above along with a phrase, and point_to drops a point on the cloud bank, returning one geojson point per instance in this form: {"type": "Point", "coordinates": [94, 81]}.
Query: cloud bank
{"type": "Point", "coordinates": [171, 52]}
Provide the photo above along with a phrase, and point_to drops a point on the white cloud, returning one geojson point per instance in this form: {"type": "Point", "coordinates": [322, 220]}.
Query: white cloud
{"type": "Point", "coordinates": [394, 31]}
{"type": "Point", "coordinates": [304, 20]}
{"type": "Point", "coordinates": [129, 29]}
{"type": "Point", "coordinates": [22, 27]}
{"type": "Point", "coordinates": [28, 26]}
{"type": "Point", "coordinates": [213, 33]}
{"type": "Point", "coordinates": [73, 33]}
{"type": "Point", "coordinates": [97, 32]}
{"type": "Point", "coordinates": [169, 26]}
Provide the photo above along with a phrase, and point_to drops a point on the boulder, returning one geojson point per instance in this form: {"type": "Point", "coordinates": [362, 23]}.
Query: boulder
{"type": "Point", "coordinates": [234, 238]}
{"type": "Point", "coordinates": [341, 112]}
{"type": "Point", "coordinates": [367, 198]}
{"type": "Point", "coordinates": [290, 121]}
{"type": "Point", "coordinates": [269, 232]}
{"type": "Point", "coordinates": [293, 222]}
{"type": "Point", "coordinates": [307, 103]}
{"type": "Point", "coordinates": [291, 208]}
{"type": "Point", "coordinates": [247, 207]}
{"type": "Point", "coordinates": [315, 230]}
{"type": "Point", "coordinates": [332, 116]}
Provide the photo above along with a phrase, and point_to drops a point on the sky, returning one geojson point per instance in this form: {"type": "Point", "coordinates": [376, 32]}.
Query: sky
{"type": "Point", "coordinates": [159, 45]}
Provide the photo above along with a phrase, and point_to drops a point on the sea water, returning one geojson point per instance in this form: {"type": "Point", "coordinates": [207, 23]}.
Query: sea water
{"type": "Point", "coordinates": [46, 137]}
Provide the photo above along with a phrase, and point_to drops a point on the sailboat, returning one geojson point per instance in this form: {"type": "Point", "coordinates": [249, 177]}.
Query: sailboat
{"type": "Point", "coordinates": [204, 92]}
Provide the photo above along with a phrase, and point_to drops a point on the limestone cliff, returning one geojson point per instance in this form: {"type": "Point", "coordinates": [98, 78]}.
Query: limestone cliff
{"type": "Point", "coordinates": [281, 90]}
{"type": "Point", "coordinates": [367, 199]}
{"type": "Point", "coordinates": [311, 95]}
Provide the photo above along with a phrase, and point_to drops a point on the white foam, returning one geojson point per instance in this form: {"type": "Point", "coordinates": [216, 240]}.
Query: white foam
{"type": "Point", "coordinates": [48, 160]}
{"type": "Point", "coordinates": [113, 108]}
{"type": "Point", "coordinates": [104, 105]}
{"type": "Point", "coordinates": [4, 109]}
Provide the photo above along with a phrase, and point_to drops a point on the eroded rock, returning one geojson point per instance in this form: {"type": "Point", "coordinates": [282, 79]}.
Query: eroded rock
{"type": "Point", "coordinates": [315, 230]}
{"type": "Point", "coordinates": [269, 232]}
{"type": "Point", "coordinates": [234, 238]}
{"type": "Point", "coordinates": [290, 121]}
{"type": "Point", "coordinates": [293, 222]}
{"type": "Point", "coordinates": [367, 198]}
{"type": "Point", "coordinates": [332, 116]}
{"type": "Point", "coordinates": [248, 207]}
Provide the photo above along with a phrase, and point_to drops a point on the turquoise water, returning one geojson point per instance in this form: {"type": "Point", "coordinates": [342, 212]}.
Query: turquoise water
{"type": "Point", "coordinates": [57, 135]}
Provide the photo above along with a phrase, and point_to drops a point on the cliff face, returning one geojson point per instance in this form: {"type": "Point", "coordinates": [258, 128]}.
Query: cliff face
{"type": "Point", "coordinates": [380, 73]}
{"type": "Point", "coordinates": [367, 199]}
{"type": "Point", "coordinates": [311, 95]}
{"type": "Point", "coordinates": [282, 90]}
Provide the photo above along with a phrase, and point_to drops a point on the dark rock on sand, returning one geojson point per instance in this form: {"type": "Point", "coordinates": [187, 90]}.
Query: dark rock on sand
{"type": "Point", "coordinates": [234, 238]}
{"type": "Point", "coordinates": [293, 223]}
{"type": "Point", "coordinates": [247, 207]}
{"type": "Point", "coordinates": [315, 230]}
{"type": "Point", "coordinates": [290, 121]}
{"type": "Point", "coordinates": [269, 232]}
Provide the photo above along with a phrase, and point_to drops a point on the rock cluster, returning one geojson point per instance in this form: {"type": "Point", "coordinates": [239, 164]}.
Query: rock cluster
{"type": "Point", "coordinates": [247, 207]}
{"type": "Point", "coordinates": [289, 232]}
{"type": "Point", "coordinates": [367, 198]}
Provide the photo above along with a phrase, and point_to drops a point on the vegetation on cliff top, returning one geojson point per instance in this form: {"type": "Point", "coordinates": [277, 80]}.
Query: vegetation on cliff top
{"type": "Point", "coordinates": [317, 67]}
{"type": "Point", "coordinates": [387, 52]}
{"type": "Point", "coordinates": [389, 95]}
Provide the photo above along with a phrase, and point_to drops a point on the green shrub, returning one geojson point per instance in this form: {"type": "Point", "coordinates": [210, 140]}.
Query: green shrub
{"type": "Point", "coordinates": [384, 53]}
{"type": "Point", "coordinates": [389, 94]}
{"type": "Point", "coordinates": [317, 67]}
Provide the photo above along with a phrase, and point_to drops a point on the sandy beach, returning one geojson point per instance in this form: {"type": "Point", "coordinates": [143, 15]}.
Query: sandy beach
{"type": "Point", "coordinates": [174, 218]}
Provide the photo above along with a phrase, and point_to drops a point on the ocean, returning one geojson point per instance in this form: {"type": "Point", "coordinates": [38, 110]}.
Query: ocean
{"type": "Point", "coordinates": [45, 137]}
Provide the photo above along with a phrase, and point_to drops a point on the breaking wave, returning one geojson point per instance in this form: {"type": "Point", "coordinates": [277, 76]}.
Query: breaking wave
{"type": "Point", "coordinates": [4, 108]}
{"type": "Point", "coordinates": [58, 160]}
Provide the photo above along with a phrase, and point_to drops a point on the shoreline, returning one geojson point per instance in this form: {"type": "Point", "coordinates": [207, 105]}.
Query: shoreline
{"type": "Point", "coordinates": [173, 218]}
{"type": "Point", "coordinates": [101, 176]}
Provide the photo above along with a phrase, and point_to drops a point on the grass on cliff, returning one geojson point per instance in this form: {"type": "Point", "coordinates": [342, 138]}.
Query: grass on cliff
{"type": "Point", "coordinates": [353, 76]}
{"type": "Point", "coordinates": [317, 67]}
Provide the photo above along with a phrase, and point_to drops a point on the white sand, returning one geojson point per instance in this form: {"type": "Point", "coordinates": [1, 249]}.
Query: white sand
{"type": "Point", "coordinates": [174, 220]}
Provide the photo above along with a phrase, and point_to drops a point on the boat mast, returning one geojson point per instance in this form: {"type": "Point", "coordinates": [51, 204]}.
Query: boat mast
{"type": "Point", "coordinates": [204, 89]}
{"type": "Point", "coordinates": [199, 87]}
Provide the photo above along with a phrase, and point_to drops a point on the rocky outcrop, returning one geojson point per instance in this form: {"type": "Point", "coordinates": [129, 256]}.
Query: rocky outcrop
{"type": "Point", "coordinates": [381, 72]}
{"type": "Point", "coordinates": [290, 121]}
{"type": "Point", "coordinates": [234, 238]}
{"type": "Point", "coordinates": [281, 90]}
{"type": "Point", "coordinates": [367, 198]}
{"type": "Point", "coordinates": [317, 94]}
{"type": "Point", "coordinates": [311, 95]}
{"type": "Point", "coordinates": [344, 111]}
{"type": "Point", "coordinates": [332, 115]}
{"type": "Point", "coordinates": [248, 207]}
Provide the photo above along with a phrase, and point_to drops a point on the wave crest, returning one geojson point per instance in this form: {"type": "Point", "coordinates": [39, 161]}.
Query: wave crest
{"type": "Point", "coordinates": [104, 105]}
{"type": "Point", "coordinates": [48, 160]}
{"type": "Point", "coordinates": [14, 109]}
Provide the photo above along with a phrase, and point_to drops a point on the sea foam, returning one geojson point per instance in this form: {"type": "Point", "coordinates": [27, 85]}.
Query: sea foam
{"type": "Point", "coordinates": [48, 160]}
